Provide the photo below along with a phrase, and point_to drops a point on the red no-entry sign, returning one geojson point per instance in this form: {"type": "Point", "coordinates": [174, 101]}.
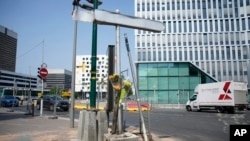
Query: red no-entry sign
{"type": "Point", "coordinates": [43, 72]}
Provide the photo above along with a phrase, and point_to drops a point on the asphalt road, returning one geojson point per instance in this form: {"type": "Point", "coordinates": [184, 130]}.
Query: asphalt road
{"type": "Point", "coordinates": [186, 126]}
{"type": "Point", "coordinates": [178, 123]}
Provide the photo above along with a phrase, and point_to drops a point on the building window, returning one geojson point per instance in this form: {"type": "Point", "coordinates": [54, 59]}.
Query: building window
{"type": "Point", "coordinates": [211, 25]}
{"type": "Point", "coordinates": [154, 55]}
{"type": "Point", "coordinates": [185, 26]}
{"type": "Point", "coordinates": [174, 24]}
{"type": "Point", "coordinates": [243, 24]}
{"type": "Point", "coordinates": [196, 54]}
{"type": "Point", "coordinates": [195, 26]}
{"type": "Point", "coordinates": [198, 4]}
{"type": "Point", "coordinates": [188, 5]}
{"type": "Point", "coordinates": [169, 27]}
{"type": "Point", "coordinates": [159, 55]}
{"type": "Point", "coordinates": [173, 5]}
{"type": "Point", "coordinates": [149, 56]}
{"type": "Point", "coordinates": [200, 25]}
{"type": "Point", "coordinates": [179, 23]}
{"type": "Point", "coordinates": [191, 54]}
{"type": "Point", "coordinates": [138, 7]}
{"type": "Point", "coordinates": [180, 55]}
{"type": "Point", "coordinates": [237, 25]}
{"type": "Point", "coordinates": [228, 52]}
{"type": "Point", "coordinates": [216, 25]}
{"type": "Point", "coordinates": [249, 22]}
{"type": "Point", "coordinates": [168, 6]}
{"type": "Point", "coordinates": [190, 26]}
{"type": "Point", "coordinates": [232, 25]}
{"type": "Point", "coordinates": [221, 25]}
{"type": "Point", "coordinates": [205, 25]}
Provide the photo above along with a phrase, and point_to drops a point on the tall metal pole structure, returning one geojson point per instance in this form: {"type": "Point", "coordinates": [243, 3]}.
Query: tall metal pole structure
{"type": "Point", "coordinates": [136, 89]}
{"type": "Point", "coordinates": [118, 71]}
{"type": "Point", "coordinates": [72, 96]}
{"type": "Point", "coordinates": [93, 62]}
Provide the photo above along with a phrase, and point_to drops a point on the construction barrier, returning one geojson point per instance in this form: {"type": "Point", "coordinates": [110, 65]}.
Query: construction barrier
{"type": "Point", "coordinates": [84, 106]}
{"type": "Point", "coordinates": [129, 106]}
{"type": "Point", "coordinates": [133, 106]}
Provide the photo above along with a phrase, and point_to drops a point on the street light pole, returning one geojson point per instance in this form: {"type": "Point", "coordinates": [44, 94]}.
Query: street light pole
{"type": "Point", "coordinates": [72, 101]}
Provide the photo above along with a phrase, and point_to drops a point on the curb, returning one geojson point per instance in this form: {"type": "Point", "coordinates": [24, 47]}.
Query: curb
{"type": "Point", "coordinates": [84, 107]}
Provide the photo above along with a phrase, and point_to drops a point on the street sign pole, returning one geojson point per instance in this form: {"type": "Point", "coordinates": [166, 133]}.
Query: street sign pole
{"type": "Point", "coordinates": [93, 63]}
{"type": "Point", "coordinates": [41, 102]}
{"type": "Point", "coordinates": [43, 74]}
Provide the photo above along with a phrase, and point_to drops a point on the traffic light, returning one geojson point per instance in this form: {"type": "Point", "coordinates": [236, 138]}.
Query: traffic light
{"type": "Point", "coordinates": [38, 73]}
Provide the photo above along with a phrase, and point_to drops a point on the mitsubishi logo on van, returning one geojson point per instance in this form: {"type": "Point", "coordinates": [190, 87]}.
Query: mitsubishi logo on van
{"type": "Point", "coordinates": [227, 91]}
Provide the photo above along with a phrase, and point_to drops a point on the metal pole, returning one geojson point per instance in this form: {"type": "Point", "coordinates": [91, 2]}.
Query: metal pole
{"type": "Point", "coordinates": [136, 90]}
{"type": "Point", "coordinates": [93, 63]}
{"type": "Point", "coordinates": [98, 95]}
{"type": "Point", "coordinates": [154, 95]}
{"type": "Point", "coordinates": [101, 90]}
{"type": "Point", "coordinates": [41, 102]}
{"type": "Point", "coordinates": [72, 101]}
{"type": "Point", "coordinates": [178, 98]}
{"type": "Point", "coordinates": [118, 71]}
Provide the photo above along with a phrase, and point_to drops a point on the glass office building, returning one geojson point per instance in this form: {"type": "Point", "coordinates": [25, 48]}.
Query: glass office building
{"type": "Point", "coordinates": [211, 36]}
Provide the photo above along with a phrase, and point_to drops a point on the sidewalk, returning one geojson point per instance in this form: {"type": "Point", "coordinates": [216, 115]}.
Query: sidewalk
{"type": "Point", "coordinates": [16, 126]}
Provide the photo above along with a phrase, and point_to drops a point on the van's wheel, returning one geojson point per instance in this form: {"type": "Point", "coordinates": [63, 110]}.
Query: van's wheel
{"type": "Point", "coordinates": [230, 110]}
{"type": "Point", "coordinates": [189, 108]}
{"type": "Point", "coordinates": [220, 109]}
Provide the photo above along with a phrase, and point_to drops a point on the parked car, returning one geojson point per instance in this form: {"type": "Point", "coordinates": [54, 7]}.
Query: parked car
{"type": "Point", "coordinates": [9, 100]}
{"type": "Point", "coordinates": [49, 102]}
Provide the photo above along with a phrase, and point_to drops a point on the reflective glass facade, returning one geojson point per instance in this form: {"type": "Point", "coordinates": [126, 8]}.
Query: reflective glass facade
{"type": "Point", "coordinates": [162, 82]}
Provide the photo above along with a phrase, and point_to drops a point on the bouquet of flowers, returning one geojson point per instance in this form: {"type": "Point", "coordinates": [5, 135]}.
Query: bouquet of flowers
{"type": "Point", "coordinates": [121, 86]}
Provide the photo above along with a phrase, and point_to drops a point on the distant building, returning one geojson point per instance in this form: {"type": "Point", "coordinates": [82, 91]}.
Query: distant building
{"type": "Point", "coordinates": [83, 68]}
{"type": "Point", "coordinates": [10, 80]}
{"type": "Point", "coordinates": [8, 48]}
{"type": "Point", "coordinates": [58, 78]}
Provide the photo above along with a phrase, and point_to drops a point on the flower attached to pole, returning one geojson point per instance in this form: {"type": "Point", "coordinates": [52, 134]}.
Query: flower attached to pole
{"type": "Point", "coordinates": [121, 86]}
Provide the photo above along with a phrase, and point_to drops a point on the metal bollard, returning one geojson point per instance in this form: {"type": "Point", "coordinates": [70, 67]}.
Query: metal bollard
{"type": "Point", "coordinates": [33, 111]}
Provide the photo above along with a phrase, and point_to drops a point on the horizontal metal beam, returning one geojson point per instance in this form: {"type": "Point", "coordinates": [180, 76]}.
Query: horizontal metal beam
{"type": "Point", "coordinates": [112, 18]}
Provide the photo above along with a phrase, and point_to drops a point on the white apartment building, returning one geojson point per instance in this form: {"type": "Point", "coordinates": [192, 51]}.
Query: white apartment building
{"type": "Point", "coordinates": [83, 68]}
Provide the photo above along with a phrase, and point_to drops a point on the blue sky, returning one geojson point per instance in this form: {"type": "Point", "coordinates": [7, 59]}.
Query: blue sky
{"type": "Point", "coordinates": [48, 24]}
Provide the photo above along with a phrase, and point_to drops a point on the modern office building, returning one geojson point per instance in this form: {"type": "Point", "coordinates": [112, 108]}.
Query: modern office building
{"type": "Point", "coordinates": [203, 41]}
{"type": "Point", "coordinates": [59, 79]}
{"type": "Point", "coordinates": [82, 81]}
{"type": "Point", "coordinates": [8, 47]}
